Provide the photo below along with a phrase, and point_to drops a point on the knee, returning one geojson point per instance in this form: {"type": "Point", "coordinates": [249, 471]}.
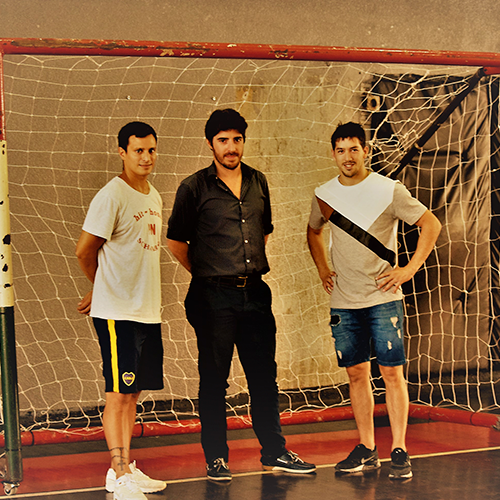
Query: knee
{"type": "Point", "coordinates": [359, 373]}
{"type": "Point", "coordinates": [266, 390]}
{"type": "Point", "coordinates": [119, 399]}
{"type": "Point", "coordinates": [392, 375]}
{"type": "Point", "coordinates": [213, 387]}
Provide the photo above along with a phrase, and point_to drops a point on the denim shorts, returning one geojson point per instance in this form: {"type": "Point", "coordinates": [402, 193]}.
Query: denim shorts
{"type": "Point", "coordinates": [354, 329]}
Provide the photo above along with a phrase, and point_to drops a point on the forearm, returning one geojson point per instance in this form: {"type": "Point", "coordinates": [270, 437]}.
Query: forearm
{"type": "Point", "coordinates": [87, 249]}
{"type": "Point", "coordinates": [318, 253]}
{"type": "Point", "coordinates": [317, 249]}
{"type": "Point", "coordinates": [180, 251]}
{"type": "Point", "coordinates": [430, 227]}
{"type": "Point", "coordinates": [89, 266]}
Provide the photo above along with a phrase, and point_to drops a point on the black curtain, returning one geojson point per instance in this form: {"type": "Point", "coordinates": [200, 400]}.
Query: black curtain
{"type": "Point", "coordinates": [494, 96]}
{"type": "Point", "coordinates": [450, 303]}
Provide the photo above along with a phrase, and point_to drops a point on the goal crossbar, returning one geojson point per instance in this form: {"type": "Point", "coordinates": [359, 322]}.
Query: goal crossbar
{"type": "Point", "coordinates": [52, 46]}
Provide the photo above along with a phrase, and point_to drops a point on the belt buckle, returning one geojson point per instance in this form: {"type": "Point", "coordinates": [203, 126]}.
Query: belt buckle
{"type": "Point", "coordinates": [244, 279]}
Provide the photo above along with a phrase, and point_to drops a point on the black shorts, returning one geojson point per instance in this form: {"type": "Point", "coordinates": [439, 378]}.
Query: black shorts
{"type": "Point", "coordinates": [132, 355]}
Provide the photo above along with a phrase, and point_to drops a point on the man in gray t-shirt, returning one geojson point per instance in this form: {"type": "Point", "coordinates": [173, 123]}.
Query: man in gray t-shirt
{"type": "Point", "coordinates": [362, 209]}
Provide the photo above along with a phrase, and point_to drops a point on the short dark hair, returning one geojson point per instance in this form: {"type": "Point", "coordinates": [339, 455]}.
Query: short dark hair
{"type": "Point", "coordinates": [224, 119]}
{"type": "Point", "coordinates": [349, 130]}
{"type": "Point", "coordinates": [139, 129]}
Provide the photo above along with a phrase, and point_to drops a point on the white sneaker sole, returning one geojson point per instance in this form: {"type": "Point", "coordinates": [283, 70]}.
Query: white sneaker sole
{"type": "Point", "coordinates": [219, 479]}
{"type": "Point", "coordinates": [148, 490]}
{"type": "Point", "coordinates": [408, 475]}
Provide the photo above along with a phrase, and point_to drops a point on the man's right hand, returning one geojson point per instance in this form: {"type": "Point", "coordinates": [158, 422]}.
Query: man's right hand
{"type": "Point", "coordinates": [83, 306]}
{"type": "Point", "coordinates": [327, 280]}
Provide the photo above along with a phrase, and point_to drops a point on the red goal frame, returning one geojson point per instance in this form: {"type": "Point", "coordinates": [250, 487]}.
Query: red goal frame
{"type": "Point", "coordinates": [487, 61]}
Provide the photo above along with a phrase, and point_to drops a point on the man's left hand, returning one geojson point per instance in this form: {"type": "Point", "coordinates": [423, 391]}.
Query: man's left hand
{"type": "Point", "coordinates": [394, 278]}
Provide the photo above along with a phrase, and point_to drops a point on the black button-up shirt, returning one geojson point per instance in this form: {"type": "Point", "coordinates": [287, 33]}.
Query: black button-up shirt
{"type": "Point", "coordinates": [225, 234]}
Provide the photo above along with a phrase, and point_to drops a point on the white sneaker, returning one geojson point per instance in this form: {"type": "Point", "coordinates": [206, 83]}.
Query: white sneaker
{"type": "Point", "coordinates": [125, 488]}
{"type": "Point", "coordinates": [145, 483]}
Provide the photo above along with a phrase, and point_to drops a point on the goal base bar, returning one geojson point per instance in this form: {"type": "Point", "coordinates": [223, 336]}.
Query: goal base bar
{"type": "Point", "coordinates": [192, 426]}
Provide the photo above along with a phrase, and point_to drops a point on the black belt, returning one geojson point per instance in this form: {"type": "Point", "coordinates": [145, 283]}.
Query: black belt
{"type": "Point", "coordinates": [240, 281]}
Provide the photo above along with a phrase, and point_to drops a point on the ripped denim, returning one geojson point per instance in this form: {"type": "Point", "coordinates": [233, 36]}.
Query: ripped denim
{"type": "Point", "coordinates": [354, 330]}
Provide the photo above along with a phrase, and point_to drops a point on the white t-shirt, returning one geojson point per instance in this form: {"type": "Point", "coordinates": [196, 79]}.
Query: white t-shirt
{"type": "Point", "coordinates": [376, 204]}
{"type": "Point", "coordinates": [127, 284]}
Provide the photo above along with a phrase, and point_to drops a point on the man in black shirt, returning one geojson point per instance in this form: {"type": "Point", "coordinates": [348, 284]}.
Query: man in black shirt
{"type": "Point", "coordinates": [218, 229]}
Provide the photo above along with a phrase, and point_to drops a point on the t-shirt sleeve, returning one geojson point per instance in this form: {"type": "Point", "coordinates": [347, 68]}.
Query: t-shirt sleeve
{"type": "Point", "coordinates": [406, 207]}
{"type": "Point", "coordinates": [101, 216]}
{"type": "Point", "coordinates": [316, 219]}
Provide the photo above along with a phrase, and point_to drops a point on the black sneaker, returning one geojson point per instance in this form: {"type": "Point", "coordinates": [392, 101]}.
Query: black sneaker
{"type": "Point", "coordinates": [361, 459]}
{"type": "Point", "coordinates": [288, 462]}
{"type": "Point", "coordinates": [218, 470]}
{"type": "Point", "coordinates": [400, 465]}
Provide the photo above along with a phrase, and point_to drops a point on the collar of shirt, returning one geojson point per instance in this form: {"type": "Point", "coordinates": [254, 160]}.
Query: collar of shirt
{"type": "Point", "coordinates": [245, 173]}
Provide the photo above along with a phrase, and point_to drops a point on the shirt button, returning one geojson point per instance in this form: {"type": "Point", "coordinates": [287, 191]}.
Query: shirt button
{"type": "Point", "coordinates": [243, 220]}
{"type": "Point", "coordinates": [246, 241]}
{"type": "Point", "coordinates": [248, 261]}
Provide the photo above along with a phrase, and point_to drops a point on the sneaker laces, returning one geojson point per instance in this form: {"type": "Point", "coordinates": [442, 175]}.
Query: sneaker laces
{"type": "Point", "coordinates": [219, 463]}
{"type": "Point", "coordinates": [359, 451]}
{"type": "Point", "coordinates": [295, 457]}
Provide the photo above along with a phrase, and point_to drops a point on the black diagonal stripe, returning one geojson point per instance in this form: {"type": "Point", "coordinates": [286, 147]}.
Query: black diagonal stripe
{"type": "Point", "coordinates": [363, 237]}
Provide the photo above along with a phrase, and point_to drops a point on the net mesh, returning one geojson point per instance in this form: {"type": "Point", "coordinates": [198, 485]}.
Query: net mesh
{"type": "Point", "coordinates": [62, 117]}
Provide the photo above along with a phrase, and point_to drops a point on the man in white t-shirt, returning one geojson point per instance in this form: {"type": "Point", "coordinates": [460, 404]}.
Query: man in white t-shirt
{"type": "Point", "coordinates": [119, 252]}
{"type": "Point", "coordinates": [362, 209]}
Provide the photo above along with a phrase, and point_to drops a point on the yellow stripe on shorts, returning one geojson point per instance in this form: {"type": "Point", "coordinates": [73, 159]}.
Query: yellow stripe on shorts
{"type": "Point", "coordinates": [114, 355]}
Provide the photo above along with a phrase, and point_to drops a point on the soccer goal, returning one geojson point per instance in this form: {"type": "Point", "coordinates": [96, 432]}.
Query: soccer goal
{"type": "Point", "coordinates": [433, 123]}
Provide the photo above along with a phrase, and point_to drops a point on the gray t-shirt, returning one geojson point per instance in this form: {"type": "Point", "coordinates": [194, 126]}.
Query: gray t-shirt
{"type": "Point", "coordinates": [376, 204]}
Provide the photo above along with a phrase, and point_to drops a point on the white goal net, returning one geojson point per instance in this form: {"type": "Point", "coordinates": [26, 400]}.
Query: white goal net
{"type": "Point", "coordinates": [63, 114]}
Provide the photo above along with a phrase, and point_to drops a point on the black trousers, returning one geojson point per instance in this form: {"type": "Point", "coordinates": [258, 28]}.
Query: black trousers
{"type": "Point", "coordinates": [225, 316]}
